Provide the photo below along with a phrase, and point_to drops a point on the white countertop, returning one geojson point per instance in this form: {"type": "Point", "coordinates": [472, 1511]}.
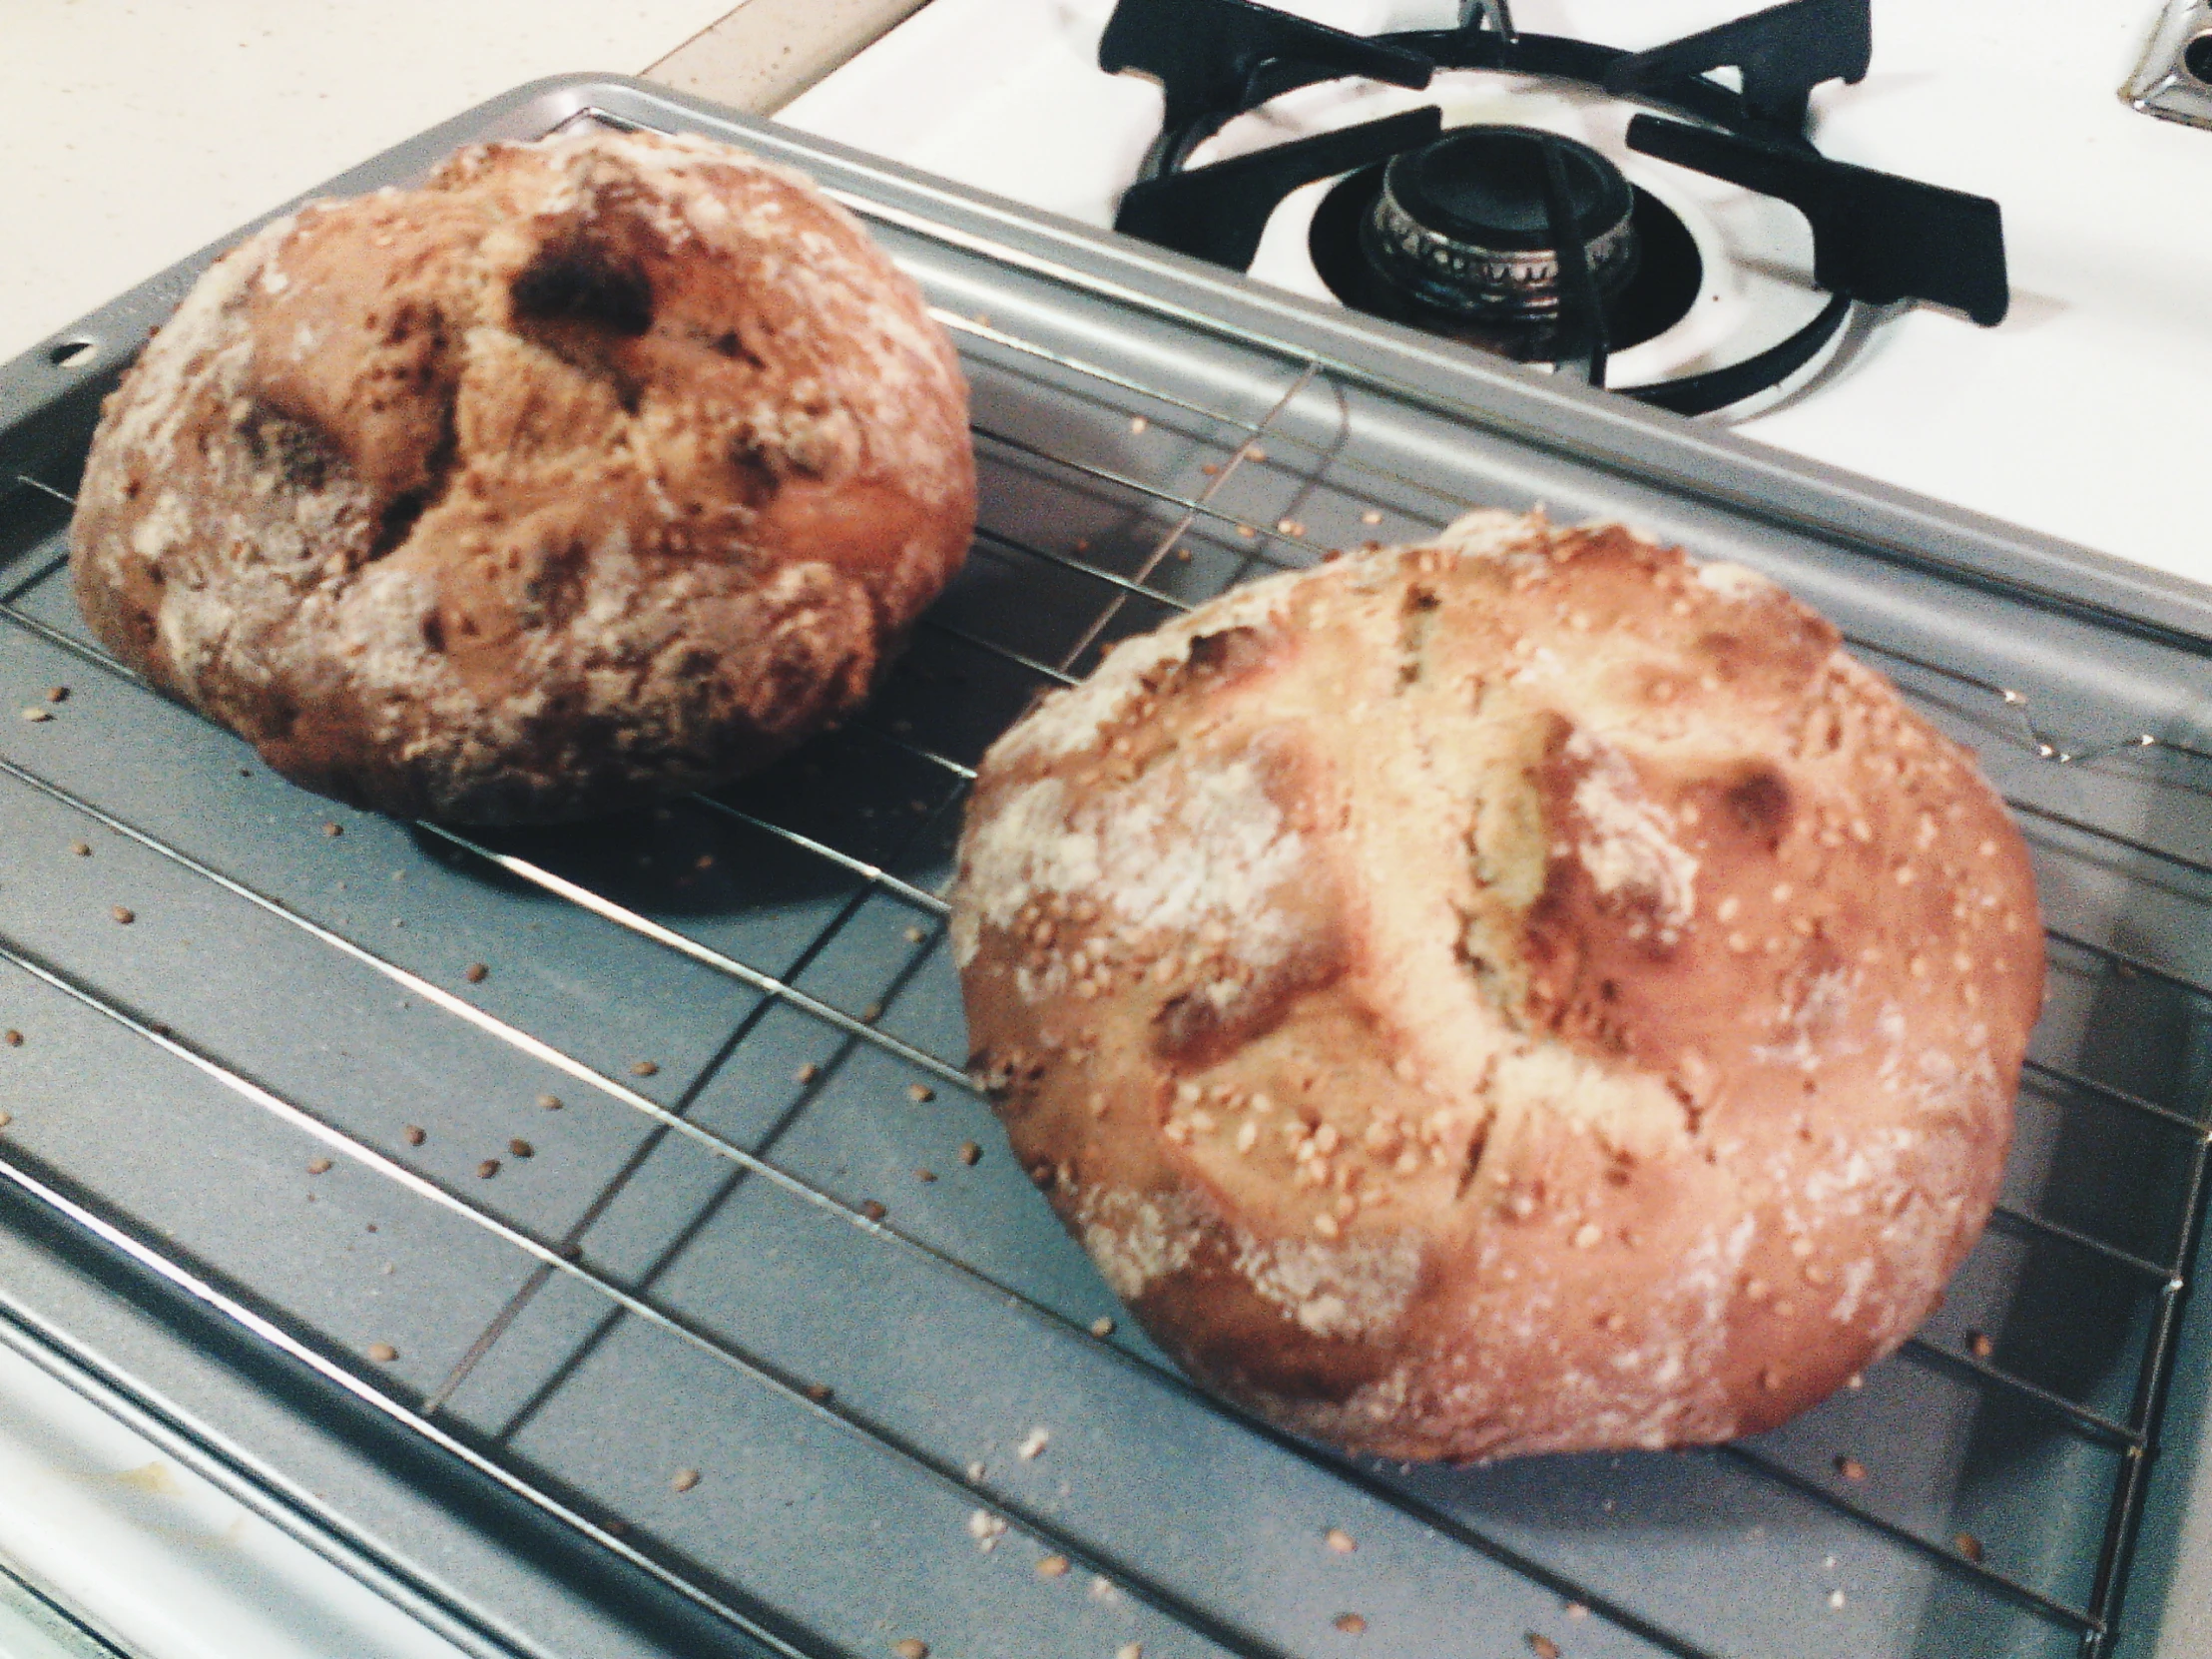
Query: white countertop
{"type": "Point", "coordinates": [141, 129]}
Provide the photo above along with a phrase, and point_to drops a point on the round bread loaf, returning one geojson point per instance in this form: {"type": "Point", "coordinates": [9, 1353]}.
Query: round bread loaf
{"type": "Point", "coordinates": [1526, 992]}
{"type": "Point", "coordinates": [595, 468]}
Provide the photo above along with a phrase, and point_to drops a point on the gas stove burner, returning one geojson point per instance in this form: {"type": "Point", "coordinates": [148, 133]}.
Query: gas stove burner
{"type": "Point", "coordinates": [1465, 223]}
{"type": "Point", "coordinates": [1523, 241]}
{"type": "Point", "coordinates": [1652, 288]}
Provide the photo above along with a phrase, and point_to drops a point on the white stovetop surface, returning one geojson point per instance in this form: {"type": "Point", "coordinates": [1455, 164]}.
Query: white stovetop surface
{"type": "Point", "coordinates": [2082, 415]}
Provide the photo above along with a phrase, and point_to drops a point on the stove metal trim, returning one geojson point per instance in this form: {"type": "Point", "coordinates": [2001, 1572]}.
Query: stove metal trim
{"type": "Point", "coordinates": [2166, 84]}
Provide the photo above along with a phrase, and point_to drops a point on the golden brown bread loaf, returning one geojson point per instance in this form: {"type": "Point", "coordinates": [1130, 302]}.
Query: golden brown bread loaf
{"type": "Point", "coordinates": [598, 467]}
{"type": "Point", "coordinates": [1528, 992]}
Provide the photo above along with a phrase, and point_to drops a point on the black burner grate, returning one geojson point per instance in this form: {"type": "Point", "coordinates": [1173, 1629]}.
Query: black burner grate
{"type": "Point", "coordinates": [1877, 238]}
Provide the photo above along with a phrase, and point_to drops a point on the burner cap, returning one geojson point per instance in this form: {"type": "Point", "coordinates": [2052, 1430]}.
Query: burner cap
{"type": "Point", "coordinates": [1461, 223]}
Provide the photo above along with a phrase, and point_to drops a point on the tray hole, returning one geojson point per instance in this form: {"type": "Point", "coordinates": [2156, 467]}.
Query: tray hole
{"type": "Point", "coordinates": [71, 353]}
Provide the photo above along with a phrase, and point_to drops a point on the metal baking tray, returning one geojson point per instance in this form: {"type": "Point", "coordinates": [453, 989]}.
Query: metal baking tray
{"type": "Point", "coordinates": [748, 1248]}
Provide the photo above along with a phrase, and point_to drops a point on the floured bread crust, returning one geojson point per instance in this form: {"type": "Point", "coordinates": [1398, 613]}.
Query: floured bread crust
{"type": "Point", "coordinates": [595, 468]}
{"type": "Point", "coordinates": [1528, 992]}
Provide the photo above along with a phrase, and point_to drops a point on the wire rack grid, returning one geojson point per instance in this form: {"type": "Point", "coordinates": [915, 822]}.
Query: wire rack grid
{"type": "Point", "coordinates": [785, 1330]}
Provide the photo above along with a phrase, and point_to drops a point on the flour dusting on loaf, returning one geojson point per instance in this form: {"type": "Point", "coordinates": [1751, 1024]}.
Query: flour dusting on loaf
{"type": "Point", "coordinates": [597, 467]}
{"type": "Point", "coordinates": [1523, 992]}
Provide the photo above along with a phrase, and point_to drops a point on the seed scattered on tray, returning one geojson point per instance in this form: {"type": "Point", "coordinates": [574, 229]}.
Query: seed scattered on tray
{"type": "Point", "coordinates": [36, 716]}
{"type": "Point", "coordinates": [476, 973]}
{"type": "Point", "coordinates": [124, 914]}
{"type": "Point", "coordinates": [874, 1210]}
{"type": "Point", "coordinates": [382, 1353]}
{"type": "Point", "coordinates": [643, 1068]}
{"type": "Point", "coordinates": [920, 1094]}
{"type": "Point", "coordinates": [1129, 1650]}
{"type": "Point", "coordinates": [986, 1529]}
{"type": "Point", "coordinates": [1836, 1598]}
{"type": "Point", "coordinates": [521, 1148]}
{"type": "Point", "coordinates": [6, 1118]}
{"type": "Point", "coordinates": [1033, 1445]}
{"type": "Point", "coordinates": [926, 1175]}
{"type": "Point", "coordinates": [1576, 1609]}
{"type": "Point", "coordinates": [1351, 1624]}
{"type": "Point", "coordinates": [684, 1479]}
{"type": "Point", "coordinates": [1102, 1326]}
{"type": "Point", "coordinates": [318, 1166]}
{"type": "Point", "coordinates": [913, 934]}
{"type": "Point", "coordinates": [1970, 1546]}
{"type": "Point", "coordinates": [551, 1102]}
{"type": "Point", "coordinates": [872, 1013]}
{"type": "Point", "coordinates": [57, 693]}
{"type": "Point", "coordinates": [1543, 1647]}
{"type": "Point", "coordinates": [14, 1038]}
{"type": "Point", "coordinates": [487, 1169]}
{"type": "Point", "coordinates": [413, 1134]}
{"type": "Point", "coordinates": [1253, 452]}
{"type": "Point", "coordinates": [911, 1647]}
{"type": "Point", "coordinates": [1851, 1468]}
{"type": "Point", "coordinates": [1338, 1539]}
{"type": "Point", "coordinates": [807, 1073]}
{"type": "Point", "coordinates": [970, 1154]}
{"type": "Point", "coordinates": [1138, 423]}
{"type": "Point", "coordinates": [1246, 532]}
{"type": "Point", "coordinates": [1979, 1344]}
{"type": "Point", "coordinates": [1053, 1566]}
{"type": "Point", "coordinates": [82, 849]}
{"type": "Point", "coordinates": [1370, 517]}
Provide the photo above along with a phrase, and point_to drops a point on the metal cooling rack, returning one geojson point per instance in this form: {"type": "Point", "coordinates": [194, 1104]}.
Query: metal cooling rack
{"type": "Point", "coordinates": [763, 1310]}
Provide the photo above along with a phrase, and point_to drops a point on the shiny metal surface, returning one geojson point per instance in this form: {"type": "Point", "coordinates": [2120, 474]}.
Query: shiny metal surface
{"type": "Point", "coordinates": [1462, 274]}
{"type": "Point", "coordinates": [2174, 80]}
